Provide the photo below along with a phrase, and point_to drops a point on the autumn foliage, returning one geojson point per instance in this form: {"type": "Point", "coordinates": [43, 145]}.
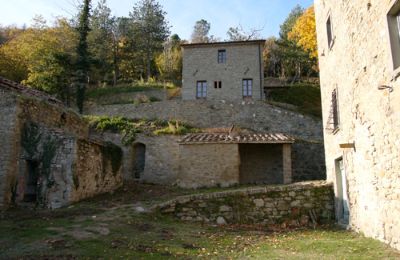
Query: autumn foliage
{"type": "Point", "coordinates": [304, 33]}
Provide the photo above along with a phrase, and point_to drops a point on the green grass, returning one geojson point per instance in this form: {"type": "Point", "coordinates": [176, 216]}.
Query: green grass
{"type": "Point", "coordinates": [130, 127]}
{"type": "Point", "coordinates": [52, 234]}
{"type": "Point", "coordinates": [306, 97]}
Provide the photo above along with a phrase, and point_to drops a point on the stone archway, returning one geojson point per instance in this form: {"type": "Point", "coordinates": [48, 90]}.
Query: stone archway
{"type": "Point", "coordinates": [139, 159]}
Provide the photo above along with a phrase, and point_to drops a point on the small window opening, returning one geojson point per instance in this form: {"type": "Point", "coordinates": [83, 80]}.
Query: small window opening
{"type": "Point", "coordinates": [201, 90]}
{"type": "Point", "coordinates": [220, 84]}
{"type": "Point", "coordinates": [247, 86]}
{"type": "Point", "coordinates": [394, 32]}
{"type": "Point", "coordinates": [335, 110]}
{"type": "Point", "coordinates": [329, 31]}
{"type": "Point", "coordinates": [221, 56]}
{"type": "Point", "coordinates": [139, 160]}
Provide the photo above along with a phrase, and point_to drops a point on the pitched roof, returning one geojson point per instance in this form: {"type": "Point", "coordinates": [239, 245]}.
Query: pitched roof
{"type": "Point", "coordinates": [205, 44]}
{"type": "Point", "coordinates": [224, 138]}
{"type": "Point", "coordinates": [14, 86]}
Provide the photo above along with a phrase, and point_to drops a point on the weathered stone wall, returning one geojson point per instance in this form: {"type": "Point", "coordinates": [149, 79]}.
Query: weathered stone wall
{"type": "Point", "coordinates": [36, 132]}
{"type": "Point", "coordinates": [260, 163]}
{"type": "Point", "coordinates": [208, 165]}
{"type": "Point", "coordinates": [357, 64]}
{"type": "Point", "coordinates": [243, 61]}
{"type": "Point", "coordinates": [8, 122]}
{"type": "Point", "coordinates": [97, 169]}
{"type": "Point", "coordinates": [308, 158]}
{"type": "Point", "coordinates": [295, 204]}
{"type": "Point", "coordinates": [160, 94]}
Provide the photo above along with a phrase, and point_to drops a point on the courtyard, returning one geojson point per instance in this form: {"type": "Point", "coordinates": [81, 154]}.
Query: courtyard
{"type": "Point", "coordinates": [111, 227]}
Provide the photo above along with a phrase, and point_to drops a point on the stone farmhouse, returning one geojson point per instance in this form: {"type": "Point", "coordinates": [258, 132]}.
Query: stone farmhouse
{"type": "Point", "coordinates": [47, 155]}
{"type": "Point", "coordinates": [359, 54]}
{"type": "Point", "coordinates": [223, 70]}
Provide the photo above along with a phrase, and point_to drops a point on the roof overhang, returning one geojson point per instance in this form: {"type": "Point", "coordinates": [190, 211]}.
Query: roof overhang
{"type": "Point", "coordinates": [224, 138]}
{"type": "Point", "coordinates": [228, 43]}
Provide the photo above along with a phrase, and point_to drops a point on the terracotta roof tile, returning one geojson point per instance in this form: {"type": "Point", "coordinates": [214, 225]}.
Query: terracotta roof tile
{"type": "Point", "coordinates": [215, 138]}
{"type": "Point", "coordinates": [14, 86]}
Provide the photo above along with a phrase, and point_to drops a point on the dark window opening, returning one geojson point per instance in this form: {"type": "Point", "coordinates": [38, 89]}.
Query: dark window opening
{"type": "Point", "coordinates": [335, 110]}
{"type": "Point", "coordinates": [31, 181]}
{"type": "Point", "coordinates": [201, 89]}
{"type": "Point", "coordinates": [393, 18]}
{"type": "Point", "coordinates": [247, 86]}
{"type": "Point", "coordinates": [139, 159]}
{"type": "Point", "coordinates": [215, 84]}
{"type": "Point", "coordinates": [221, 56]}
{"type": "Point", "coordinates": [220, 84]}
{"type": "Point", "coordinates": [329, 31]}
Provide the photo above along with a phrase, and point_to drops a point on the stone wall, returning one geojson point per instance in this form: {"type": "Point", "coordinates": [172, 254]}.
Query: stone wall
{"type": "Point", "coordinates": [295, 204]}
{"type": "Point", "coordinates": [97, 169]}
{"type": "Point", "coordinates": [160, 94]}
{"type": "Point", "coordinates": [243, 61]}
{"type": "Point", "coordinates": [8, 122]}
{"type": "Point", "coordinates": [261, 163]}
{"type": "Point", "coordinates": [43, 140]}
{"type": "Point", "coordinates": [308, 157]}
{"type": "Point", "coordinates": [356, 65]}
{"type": "Point", "coordinates": [208, 165]}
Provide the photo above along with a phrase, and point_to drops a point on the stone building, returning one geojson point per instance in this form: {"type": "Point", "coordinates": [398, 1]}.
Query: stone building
{"type": "Point", "coordinates": [359, 47]}
{"type": "Point", "coordinates": [47, 156]}
{"type": "Point", "coordinates": [221, 159]}
{"type": "Point", "coordinates": [223, 70]}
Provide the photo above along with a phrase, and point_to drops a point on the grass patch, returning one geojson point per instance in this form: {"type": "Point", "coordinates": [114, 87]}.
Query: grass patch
{"type": "Point", "coordinates": [305, 96]}
{"type": "Point", "coordinates": [50, 234]}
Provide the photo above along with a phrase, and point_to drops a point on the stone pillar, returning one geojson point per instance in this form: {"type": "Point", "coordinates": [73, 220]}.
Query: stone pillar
{"type": "Point", "coordinates": [287, 163]}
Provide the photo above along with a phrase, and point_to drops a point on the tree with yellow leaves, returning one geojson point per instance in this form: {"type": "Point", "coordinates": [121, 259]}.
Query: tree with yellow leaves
{"type": "Point", "coordinates": [304, 33]}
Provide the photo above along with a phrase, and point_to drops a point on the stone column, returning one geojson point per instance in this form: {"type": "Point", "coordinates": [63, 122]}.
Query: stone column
{"type": "Point", "coordinates": [287, 163]}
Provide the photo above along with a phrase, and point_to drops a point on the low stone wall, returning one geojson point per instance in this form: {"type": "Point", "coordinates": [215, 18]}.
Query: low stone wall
{"type": "Point", "coordinates": [293, 205]}
{"type": "Point", "coordinates": [159, 94]}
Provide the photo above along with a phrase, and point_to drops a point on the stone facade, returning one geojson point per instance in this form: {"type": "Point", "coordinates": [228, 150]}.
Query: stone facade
{"type": "Point", "coordinates": [297, 204]}
{"type": "Point", "coordinates": [363, 146]}
{"type": "Point", "coordinates": [209, 165]}
{"type": "Point", "coordinates": [48, 157]}
{"type": "Point", "coordinates": [243, 60]}
{"type": "Point", "coordinates": [308, 161]}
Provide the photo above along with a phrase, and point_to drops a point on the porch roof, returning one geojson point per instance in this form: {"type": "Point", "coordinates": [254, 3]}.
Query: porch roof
{"type": "Point", "coordinates": [225, 138]}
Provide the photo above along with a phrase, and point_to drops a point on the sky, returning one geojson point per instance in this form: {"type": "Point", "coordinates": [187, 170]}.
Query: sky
{"type": "Point", "coordinates": [181, 14]}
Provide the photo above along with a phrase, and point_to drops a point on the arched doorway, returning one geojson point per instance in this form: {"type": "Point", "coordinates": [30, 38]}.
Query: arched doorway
{"type": "Point", "coordinates": [139, 159]}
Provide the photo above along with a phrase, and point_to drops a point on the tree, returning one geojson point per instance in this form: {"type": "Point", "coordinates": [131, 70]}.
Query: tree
{"type": "Point", "coordinates": [272, 59]}
{"type": "Point", "coordinates": [200, 32]}
{"type": "Point", "coordinates": [169, 62]}
{"type": "Point", "coordinates": [83, 63]}
{"type": "Point", "coordinates": [101, 42]}
{"type": "Point", "coordinates": [150, 29]}
{"type": "Point", "coordinates": [304, 33]}
{"type": "Point", "coordinates": [239, 34]}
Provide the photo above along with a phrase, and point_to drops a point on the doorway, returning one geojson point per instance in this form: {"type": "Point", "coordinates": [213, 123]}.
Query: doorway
{"type": "Point", "coordinates": [31, 181]}
{"type": "Point", "coordinates": [343, 207]}
{"type": "Point", "coordinates": [139, 159]}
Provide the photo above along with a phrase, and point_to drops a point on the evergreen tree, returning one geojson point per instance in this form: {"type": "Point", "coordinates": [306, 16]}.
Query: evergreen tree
{"type": "Point", "coordinates": [83, 63]}
{"type": "Point", "coordinates": [150, 29]}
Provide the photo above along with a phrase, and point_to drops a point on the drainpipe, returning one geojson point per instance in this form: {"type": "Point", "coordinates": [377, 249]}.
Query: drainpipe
{"type": "Point", "coordinates": [261, 72]}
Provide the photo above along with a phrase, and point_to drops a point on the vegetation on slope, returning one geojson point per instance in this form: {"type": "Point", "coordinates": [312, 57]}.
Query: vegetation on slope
{"type": "Point", "coordinates": [130, 127]}
{"type": "Point", "coordinates": [307, 98]}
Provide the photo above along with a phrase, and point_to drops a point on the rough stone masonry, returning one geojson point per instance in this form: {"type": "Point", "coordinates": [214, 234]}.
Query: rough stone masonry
{"type": "Point", "coordinates": [358, 44]}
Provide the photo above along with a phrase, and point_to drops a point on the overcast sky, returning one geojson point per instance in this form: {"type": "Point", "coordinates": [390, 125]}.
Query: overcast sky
{"type": "Point", "coordinates": [181, 14]}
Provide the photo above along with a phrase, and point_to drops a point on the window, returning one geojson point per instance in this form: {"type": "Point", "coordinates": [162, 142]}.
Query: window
{"type": "Point", "coordinates": [329, 31]}
{"type": "Point", "coordinates": [394, 32]}
{"type": "Point", "coordinates": [247, 88]}
{"type": "Point", "coordinates": [221, 56]}
{"type": "Point", "coordinates": [217, 84]}
{"type": "Point", "coordinates": [201, 89]}
{"type": "Point", "coordinates": [335, 110]}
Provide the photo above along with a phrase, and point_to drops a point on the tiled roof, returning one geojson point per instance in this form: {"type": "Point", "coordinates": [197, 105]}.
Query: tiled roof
{"type": "Point", "coordinates": [14, 86]}
{"type": "Point", "coordinates": [216, 138]}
